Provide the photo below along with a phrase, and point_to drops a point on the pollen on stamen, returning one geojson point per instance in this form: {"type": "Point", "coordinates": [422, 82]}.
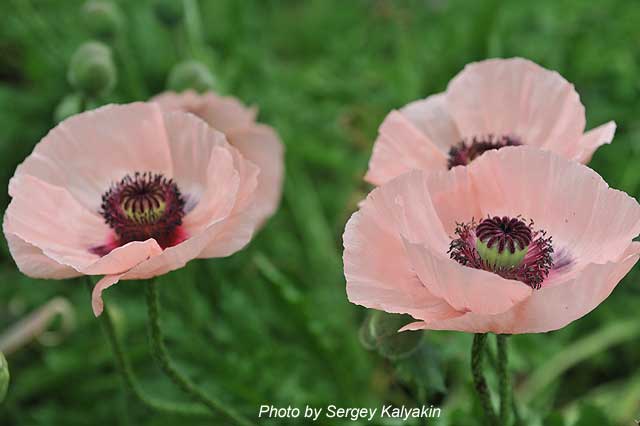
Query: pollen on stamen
{"type": "Point", "coordinates": [142, 206]}
{"type": "Point", "coordinates": [509, 247]}
{"type": "Point", "coordinates": [468, 150]}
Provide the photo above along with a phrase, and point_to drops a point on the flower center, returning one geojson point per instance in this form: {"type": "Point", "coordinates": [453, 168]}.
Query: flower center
{"type": "Point", "coordinates": [143, 206]}
{"type": "Point", "coordinates": [506, 246]}
{"type": "Point", "coordinates": [466, 151]}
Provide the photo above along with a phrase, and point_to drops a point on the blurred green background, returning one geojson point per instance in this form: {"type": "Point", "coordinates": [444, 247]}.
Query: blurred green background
{"type": "Point", "coordinates": [272, 324]}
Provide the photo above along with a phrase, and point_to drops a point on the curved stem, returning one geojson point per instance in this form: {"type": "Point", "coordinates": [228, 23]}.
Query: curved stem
{"type": "Point", "coordinates": [503, 379]}
{"type": "Point", "coordinates": [129, 380]}
{"type": "Point", "coordinates": [480, 383]}
{"type": "Point", "coordinates": [162, 355]}
{"type": "Point", "coordinates": [193, 26]}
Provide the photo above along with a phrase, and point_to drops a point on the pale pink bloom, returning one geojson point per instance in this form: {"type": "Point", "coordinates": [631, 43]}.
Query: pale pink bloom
{"type": "Point", "coordinates": [257, 142]}
{"type": "Point", "coordinates": [519, 241]}
{"type": "Point", "coordinates": [129, 192]}
{"type": "Point", "coordinates": [490, 104]}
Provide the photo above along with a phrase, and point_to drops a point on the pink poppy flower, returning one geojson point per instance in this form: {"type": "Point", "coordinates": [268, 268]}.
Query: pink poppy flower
{"type": "Point", "coordinates": [519, 241]}
{"type": "Point", "coordinates": [129, 192]}
{"type": "Point", "coordinates": [256, 142]}
{"type": "Point", "coordinates": [489, 105]}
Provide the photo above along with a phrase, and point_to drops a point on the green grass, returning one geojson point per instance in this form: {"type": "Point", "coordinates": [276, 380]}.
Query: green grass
{"type": "Point", "coordinates": [272, 324]}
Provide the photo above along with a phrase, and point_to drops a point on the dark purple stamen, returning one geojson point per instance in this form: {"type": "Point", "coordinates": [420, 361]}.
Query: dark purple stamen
{"type": "Point", "coordinates": [466, 151]}
{"type": "Point", "coordinates": [505, 232]}
{"type": "Point", "coordinates": [143, 206]}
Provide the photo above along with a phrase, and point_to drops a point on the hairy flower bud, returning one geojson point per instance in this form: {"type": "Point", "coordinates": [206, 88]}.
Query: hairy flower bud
{"type": "Point", "coordinates": [70, 105]}
{"type": "Point", "coordinates": [380, 332]}
{"type": "Point", "coordinates": [92, 70]}
{"type": "Point", "coordinates": [103, 19]}
{"type": "Point", "coordinates": [191, 75]}
{"type": "Point", "coordinates": [4, 377]}
{"type": "Point", "coordinates": [169, 12]}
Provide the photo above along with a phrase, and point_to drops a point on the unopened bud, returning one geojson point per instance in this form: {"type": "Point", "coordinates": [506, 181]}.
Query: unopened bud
{"type": "Point", "coordinates": [92, 70]}
{"type": "Point", "coordinates": [4, 377]}
{"type": "Point", "coordinates": [169, 12]}
{"type": "Point", "coordinates": [191, 75]}
{"type": "Point", "coordinates": [104, 19]}
{"type": "Point", "coordinates": [68, 106]}
{"type": "Point", "coordinates": [383, 334]}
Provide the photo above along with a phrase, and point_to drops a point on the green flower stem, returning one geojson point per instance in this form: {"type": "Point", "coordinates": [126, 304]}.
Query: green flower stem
{"type": "Point", "coordinates": [162, 355]}
{"type": "Point", "coordinates": [503, 379]}
{"type": "Point", "coordinates": [193, 26]}
{"type": "Point", "coordinates": [130, 382]}
{"type": "Point", "coordinates": [480, 383]}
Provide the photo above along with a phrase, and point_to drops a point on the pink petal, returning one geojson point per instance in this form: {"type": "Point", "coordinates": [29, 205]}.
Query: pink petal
{"type": "Point", "coordinates": [261, 145]}
{"type": "Point", "coordinates": [593, 139]}
{"type": "Point", "coordinates": [32, 262]}
{"type": "Point", "coordinates": [227, 113]}
{"type": "Point", "coordinates": [432, 117]}
{"type": "Point", "coordinates": [401, 147]}
{"type": "Point", "coordinates": [516, 97]}
{"type": "Point", "coordinates": [235, 232]}
{"type": "Point", "coordinates": [551, 307]}
{"type": "Point", "coordinates": [377, 270]}
{"type": "Point", "coordinates": [123, 258]}
{"type": "Point", "coordinates": [585, 217]}
{"type": "Point", "coordinates": [220, 112]}
{"type": "Point", "coordinates": [465, 289]}
{"type": "Point", "coordinates": [406, 201]}
{"type": "Point", "coordinates": [87, 152]}
{"type": "Point", "coordinates": [50, 219]}
{"type": "Point", "coordinates": [96, 295]}
{"type": "Point", "coordinates": [204, 169]}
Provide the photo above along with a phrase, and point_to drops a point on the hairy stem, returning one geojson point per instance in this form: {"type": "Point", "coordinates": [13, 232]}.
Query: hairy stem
{"type": "Point", "coordinates": [479, 381]}
{"type": "Point", "coordinates": [162, 355]}
{"type": "Point", "coordinates": [503, 379]}
{"type": "Point", "coordinates": [128, 378]}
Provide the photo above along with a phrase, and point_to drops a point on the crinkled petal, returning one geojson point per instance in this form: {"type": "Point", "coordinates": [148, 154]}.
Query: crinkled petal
{"type": "Point", "coordinates": [402, 147]}
{"type": "Point", "coordinates": [97, 304]}
{"type": "Point", "coordinates": [261, 145]}
{"type": "Point", "coordinates": [432, 117]}
{"type": "Point", "coordinates": [516, 97]}
{"type": "Point", "coordinates": [585, 218]}
{"type": "Point", "coordinates": [227, 113]}
{"type": "Point", "coordinates": [204, 170]}
{"type": "Point", "coordinates": [168, 260]}
{"type": "Point", "coordinates": [235, 232]}
{"type": "Point", "coordinates": [415, 218]}
{"type": "Point", "coordinates": [550, 308]}
{"type": "Point", "coordinates": [220, 112]}
{"type": "Point", "coordinates": [465, 289]}
{"type": "Point", "coordinates": [33, 262]}
{"type": "Point", "coordinates": [377, 270]}
{"type": "Point", "coordinates": [594, 139]}
{"type": "Point", "coordinates": [53, 221]}
{"type": "Point", "coordinates": [89, 151]}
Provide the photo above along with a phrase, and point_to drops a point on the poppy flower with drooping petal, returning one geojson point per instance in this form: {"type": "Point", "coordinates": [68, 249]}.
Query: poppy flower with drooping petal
{"type": "Point", "coordinates": [129, 192]}
{"type": "Point", "coordinates": [519, 241]}
{"type": "Point", "coordinates": [257, 142]}
{"type": "Point", "coordinates": [489, 105]}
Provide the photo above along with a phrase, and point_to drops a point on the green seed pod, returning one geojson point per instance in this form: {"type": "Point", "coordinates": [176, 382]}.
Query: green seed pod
{"type": "Point", "coordinates": [68, 106]}
{"type": "Point", "coordinates": [4, 377]}
{"type": "Point", "coordinates": [383, 330]}
{"type": "Point", "coordinates": [103, 19]}
{"type": "Point", "coordinates": [169, 12]}
{"type": "Point", "coordinates": [191, 75]}
{"type": "Point", "coordinates": [92, 70]}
